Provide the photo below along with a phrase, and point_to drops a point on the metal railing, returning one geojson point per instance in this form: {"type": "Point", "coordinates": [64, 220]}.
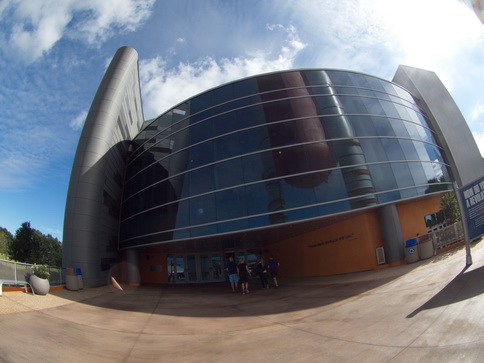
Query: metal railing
{"type": "Point", "coordinates": [17, 271]}
{"type": "Point", "coordinates": [447, 236]}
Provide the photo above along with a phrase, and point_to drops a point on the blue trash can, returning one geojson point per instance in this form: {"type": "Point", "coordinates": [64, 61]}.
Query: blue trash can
{"type": "Point", "coordinates": [79, 278]}
{"type": "Point", "coordinates": [411, 250]}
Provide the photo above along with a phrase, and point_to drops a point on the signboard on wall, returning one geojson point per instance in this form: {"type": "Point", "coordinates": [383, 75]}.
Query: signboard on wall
{"type": "Point", "coordinates": [472, 200]}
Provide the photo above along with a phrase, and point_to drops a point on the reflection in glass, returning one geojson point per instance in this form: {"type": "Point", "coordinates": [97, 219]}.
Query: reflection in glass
{"type": "Point", "coordinates": [273, 149]}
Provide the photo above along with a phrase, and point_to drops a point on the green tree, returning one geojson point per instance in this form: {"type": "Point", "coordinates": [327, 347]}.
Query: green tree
{"type": "Point", "coordinates": [5, 239]}
{"type": "Point", "coordinates": [450, 207]}
{"type": "Point", "coordinates": [21, 245]}
{"type": "Point", "coordinates": [47, 251]}
{"type": "Point", "coordinates": [32, 246]}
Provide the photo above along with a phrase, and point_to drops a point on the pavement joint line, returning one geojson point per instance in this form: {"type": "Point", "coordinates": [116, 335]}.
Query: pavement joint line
{"type": "Point", "coordinates": [141, 332]}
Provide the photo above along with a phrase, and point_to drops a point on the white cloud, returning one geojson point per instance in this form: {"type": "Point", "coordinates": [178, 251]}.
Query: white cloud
{"type": "Point", "coordinates": [479, 137]}
{"type": "Point", "coordinates": [477, 112]}
{"type": "Point", "coordinates": [20, 169]}
{"type": "Point", "coordinates": [77, 122]}
{"type": "Point", "coordinates": [163, 88]}
{"type": "Point", "coordinates": [32, 28]}
{"type": "Point", "coordinates": [375, 36]}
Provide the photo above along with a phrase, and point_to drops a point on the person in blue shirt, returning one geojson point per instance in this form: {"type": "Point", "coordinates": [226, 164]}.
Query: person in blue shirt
{"type": "Point", "coordinates": [273, 270]}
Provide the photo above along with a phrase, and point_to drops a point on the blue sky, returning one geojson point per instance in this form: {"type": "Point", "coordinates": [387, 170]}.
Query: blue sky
{"type": "Point", "coordinates": [53, 54]}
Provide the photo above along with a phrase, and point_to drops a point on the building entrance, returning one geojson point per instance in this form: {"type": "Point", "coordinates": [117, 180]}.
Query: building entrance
{"type": "Point", "coordinates": [206, 267]}
{"type": "Point", "coordinates": [203, 267]}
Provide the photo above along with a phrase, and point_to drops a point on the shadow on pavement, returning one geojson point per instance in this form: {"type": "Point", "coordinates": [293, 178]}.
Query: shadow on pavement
{"type": "Point", "coordinates": [217, 300]}
{"type": "Point", "coordinates": [464, 286]}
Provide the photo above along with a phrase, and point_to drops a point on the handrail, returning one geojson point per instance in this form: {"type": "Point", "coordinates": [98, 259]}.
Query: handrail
{"type": "Point", "coordinates": [16, 271]}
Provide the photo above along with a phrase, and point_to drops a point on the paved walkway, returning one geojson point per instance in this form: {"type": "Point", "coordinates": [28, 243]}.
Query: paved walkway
{"type": "Point", "coordinates": [430, 311]}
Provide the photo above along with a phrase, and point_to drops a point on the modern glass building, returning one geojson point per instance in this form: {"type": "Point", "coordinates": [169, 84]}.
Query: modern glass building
{"type": "Point", "coordinates": [328, 170]}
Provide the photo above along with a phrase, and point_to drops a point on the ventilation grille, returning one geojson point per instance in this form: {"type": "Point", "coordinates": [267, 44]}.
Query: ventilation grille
{"type": "Point", "coordinates": [380, 255]}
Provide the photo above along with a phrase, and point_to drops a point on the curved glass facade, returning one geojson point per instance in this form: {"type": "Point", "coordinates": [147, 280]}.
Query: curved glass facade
{"type": "Point", "coordinates": [277, 148]}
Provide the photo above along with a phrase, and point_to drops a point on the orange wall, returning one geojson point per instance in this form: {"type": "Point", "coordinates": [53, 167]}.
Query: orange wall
{"type": "Point", "coordinates": [344, 247]}
{"type": "Point", "coordinates": [412, 216]}
{"type": "Point", "coordinates": [153, 258]}
{"type": "Point", "coordinates": [347, 246]}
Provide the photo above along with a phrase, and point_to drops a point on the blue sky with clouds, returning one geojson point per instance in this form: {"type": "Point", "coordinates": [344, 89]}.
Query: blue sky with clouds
{"type": "Point", "coordinates": [53, 55]}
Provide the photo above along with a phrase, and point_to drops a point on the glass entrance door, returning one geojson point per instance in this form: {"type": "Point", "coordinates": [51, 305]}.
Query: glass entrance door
{"type": "Point", "coordinates": [205, 267]}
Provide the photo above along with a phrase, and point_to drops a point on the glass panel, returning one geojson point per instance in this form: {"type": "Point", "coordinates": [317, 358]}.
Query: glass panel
{"type": "Point", "coordinates": [203, 231]}
{"type": "Point", "coordinates": [254, 139]}
{"type": "Point", "coordinates": [222, 94]}
{"type": "Point", "coordinates": [357, 105]}
{"type": "Point", "coordinates": [226, 147]}
{"type": "Point", "coordinates": [412, 130]}
{"type": "Point", "coordinates": [383, 127]}
{"type": "Point", "coordinates": [192, 268]}
{"type": "Point", "coordinates": [200, 102]}
{"type": "Point", "coordinates": [245, 87]}
{"type": "Point", "coordinates": [418, 173]}
{"type": "Point", "coordinates": [217, 271]}
{"type": "Point", "coordinates": [260, 221]}
{"type": "Point", "coordinates": [393, 149]}
{"type": "Point", "coordinates": [409, 150]}
{"type": "Point", "coordinates": [205, 269]}
{"type": "Point", "coordinates": [402, 175]}
{"type": "Point", "coordinates": [229, 173]}
{"type": "Point", "coordinates": [181, 234]}
{"type": "Point", "coordinates": [327, 209]}
{"type": "Point", "coordinates": [225, 123]}
{"type": "Point", "coordinates": [202, 209]}
{"type": "Point", "coordinates": [389, 197]}
{"type": "Point", "coordinates": [296, 197]}
{"type": "Point", "coordinates": [250, 116]}
{"type": "Point", "coordinates": [258, 196]}
{"type": "Point", "coordinates": [373, 150]}
{"type": "Point", "coordinates": [170, 264]}
{"type": "Point", "coordinates": [180, 268]}
{"type": "Point", "coordinates": [179, 162]}
{"type": "Point", "coordinates": [332, 190]}
{"type": "Point", "coordinates": [254, 167]}
{"type": "Point", "coordinates": [252, 260]}
{"type": "Point", "coordinates": [408, 193]}
{"type": "Point", "coordinates": [238, 225]}
{"type": "Point", "coordinates": [399, 128]}
{"type": "Point", "coordinates": [201, 154]}
{"type": "Point", "coordinates": [302, 214]}
{"type": "Point", "coordinates": [231, 204]}
{"type": "Point", "coordinates": [383, 178]}
{"type": "Point", "coordinates": [201, 180]}
{"type": "Point", "coordinates": [389, 109]}
{"type": "Point", "coordinates": [363, 125]}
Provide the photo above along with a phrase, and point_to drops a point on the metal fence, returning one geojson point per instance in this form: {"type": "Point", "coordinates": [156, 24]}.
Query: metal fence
{"type": "Point", "coordinates": [447, 236]}
{"type": "Point", "coordinates": [18, 271]}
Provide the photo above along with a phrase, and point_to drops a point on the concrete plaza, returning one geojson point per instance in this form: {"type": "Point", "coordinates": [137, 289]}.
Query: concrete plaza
{"type": "Point", "coordinates": [431, 310]}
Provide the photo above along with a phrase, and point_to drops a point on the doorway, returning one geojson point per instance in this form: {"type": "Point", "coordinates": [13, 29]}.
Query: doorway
{"type": "Point", "coordinates": [207, 267]}
{"type": "Point", "coordinates": [202, 267]}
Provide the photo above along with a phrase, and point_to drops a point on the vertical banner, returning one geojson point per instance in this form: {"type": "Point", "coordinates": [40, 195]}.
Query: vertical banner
{"type": "Point", "coordinates": [472, 197]}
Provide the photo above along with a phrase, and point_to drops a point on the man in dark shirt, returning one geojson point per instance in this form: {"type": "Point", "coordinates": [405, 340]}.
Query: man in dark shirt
{"type": "Point", "coordinates": [233, 272]}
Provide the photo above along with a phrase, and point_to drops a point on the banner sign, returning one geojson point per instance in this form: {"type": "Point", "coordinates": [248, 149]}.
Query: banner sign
{"type": "Point", "coordinates": [472, 197]}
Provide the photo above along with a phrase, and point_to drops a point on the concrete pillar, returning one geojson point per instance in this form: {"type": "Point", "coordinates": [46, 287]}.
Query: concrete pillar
{"type": "Point", "coordinates": [392, 233]}
{"type": "Point", "coordinates": [132, 267]}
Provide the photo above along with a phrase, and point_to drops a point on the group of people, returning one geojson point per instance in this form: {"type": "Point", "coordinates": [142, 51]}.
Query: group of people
{"type": "Point", "coordinates": [240, 274]}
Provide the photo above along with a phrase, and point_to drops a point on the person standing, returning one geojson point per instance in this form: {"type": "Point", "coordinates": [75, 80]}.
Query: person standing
{"type": "Point", "coordinates": [262, 271]}
{"type": "Point", "coordinates": [273, 270]}
{"type": "Point", "coordinates": [244, 275]}
{"type": "Point", "coordinates": [233, 272]}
